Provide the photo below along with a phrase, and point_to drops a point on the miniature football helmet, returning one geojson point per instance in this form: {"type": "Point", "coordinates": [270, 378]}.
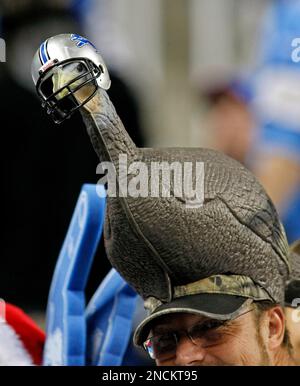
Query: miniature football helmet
{"type": "Point", "coordinates": [63, 65]}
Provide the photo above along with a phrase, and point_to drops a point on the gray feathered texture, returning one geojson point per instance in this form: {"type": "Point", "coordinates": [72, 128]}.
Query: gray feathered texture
{"type": "Point", "coordinates": [156, 243]}
{"type": "Point", "coordinates": [295, 261]}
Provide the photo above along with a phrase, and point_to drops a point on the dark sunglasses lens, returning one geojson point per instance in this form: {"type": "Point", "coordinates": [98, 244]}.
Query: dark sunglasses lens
{"type": "Point", "coordinates": [201, 330]}
{"type": "Point", "coordinates": [161, 346]}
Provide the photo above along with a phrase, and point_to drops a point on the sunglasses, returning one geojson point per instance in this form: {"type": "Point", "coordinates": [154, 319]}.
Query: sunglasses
{"type": "Point", "coordinates": [206, 333]}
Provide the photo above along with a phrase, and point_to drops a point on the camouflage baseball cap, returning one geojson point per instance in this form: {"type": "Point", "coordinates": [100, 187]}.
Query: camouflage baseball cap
{"type": "Point", "coordinates": [222, 297]}
{"type": "Point", "coordinates": [292, 290]}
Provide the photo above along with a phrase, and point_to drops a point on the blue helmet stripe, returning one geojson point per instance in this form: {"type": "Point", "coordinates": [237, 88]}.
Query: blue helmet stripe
{"type": "Point", "coordinates": [43, 53]}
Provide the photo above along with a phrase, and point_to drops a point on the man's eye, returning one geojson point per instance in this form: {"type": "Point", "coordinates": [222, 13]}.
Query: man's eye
{"type": "Point", "coordinates": [165, 340]}
{"type": "Point", "coordinates": [199, 331]}
{"type": "Point", "coordinates": [215, 324]}
{"type": "Point", "coordinates": [163, 345]}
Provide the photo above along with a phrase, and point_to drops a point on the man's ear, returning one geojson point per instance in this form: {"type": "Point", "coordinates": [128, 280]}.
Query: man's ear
{"type": "Point", "coordinates": [276, 324]}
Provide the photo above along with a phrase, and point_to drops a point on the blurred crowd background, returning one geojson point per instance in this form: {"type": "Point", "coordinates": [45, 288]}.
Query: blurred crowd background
{"type": "Point", "coordinates": [205, 73]}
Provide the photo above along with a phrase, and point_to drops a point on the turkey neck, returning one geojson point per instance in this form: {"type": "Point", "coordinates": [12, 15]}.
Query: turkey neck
{"type": "Point", "coordinates": [106, 130]}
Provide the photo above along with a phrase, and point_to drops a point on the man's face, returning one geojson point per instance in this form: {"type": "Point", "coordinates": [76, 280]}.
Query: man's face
{"type": "Point", "coordinates": [293, 326]}
{"type": "Point", "coordinates": [236, 342]}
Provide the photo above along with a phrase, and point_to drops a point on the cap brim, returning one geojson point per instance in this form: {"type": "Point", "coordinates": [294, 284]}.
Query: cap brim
{"type": "Point", "coordinates": [214, 306]}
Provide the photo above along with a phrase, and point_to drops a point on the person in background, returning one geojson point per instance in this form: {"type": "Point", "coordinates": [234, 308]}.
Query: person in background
{"type": "Point", "coordinates": [261, 127]}
{"type": "Point", "coordinates": [230, 120]}
{"type": "Point", "coordinates": [276, 103]}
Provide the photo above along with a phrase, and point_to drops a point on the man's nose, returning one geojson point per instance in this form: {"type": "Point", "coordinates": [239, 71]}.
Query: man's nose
{"type": "Point", "coordinates": [187, 352]}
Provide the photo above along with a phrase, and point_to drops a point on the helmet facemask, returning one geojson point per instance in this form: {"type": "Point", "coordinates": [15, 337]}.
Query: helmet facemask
{"type": "Point", "coordinates": [66, 86]}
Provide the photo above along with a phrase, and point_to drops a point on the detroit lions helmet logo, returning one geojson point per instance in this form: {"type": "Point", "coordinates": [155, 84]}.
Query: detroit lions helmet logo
{"type": "Point", "coordinates": [81, 41]}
